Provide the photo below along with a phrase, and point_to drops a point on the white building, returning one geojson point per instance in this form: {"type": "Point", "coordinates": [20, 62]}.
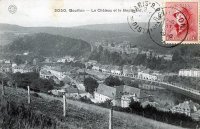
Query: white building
{"type": "Point", "coordinates": [59, 73]}
{"type": "Point", "coordinates": [6, 68]}
{"type": "Point", "coordinates": [186, 108]}
{"type": "Point", "coordinates": [96, 67]}
{"type": "Point", "coordinates": [23, 69]}
{"type": "Point", "coordinates": [105, 68]}
{"type": "Point", "coordinates": [116, 70]}
{"type": "Point", "coordinates": [120, 95]}
{"type": "Point", "coordinates": [7, 62]}
{"type": "Point", "coordinates": [45, 74]}
{"type": "Point", "coordinates": [168, 57]}
{"type": "Point", "coordinates": [129, 70]}
{"type": "Point", "coordinates": [189, 72]}
{"type": "Point", "coordinates": [92, 62]}
{"type": "Point", "coordinates": [147, 76]}
{"type": "Point", "coordinates": [66, 58]}
{"type": "Point", "coordinates": [126, 99]}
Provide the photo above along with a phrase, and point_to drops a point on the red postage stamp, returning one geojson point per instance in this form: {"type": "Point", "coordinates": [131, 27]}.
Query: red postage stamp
{"type": "Point", "coordinates": [182, 22]}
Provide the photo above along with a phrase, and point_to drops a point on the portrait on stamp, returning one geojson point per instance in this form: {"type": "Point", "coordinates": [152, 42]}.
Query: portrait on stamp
{"type": "Point", "coordinates": [185, 21]}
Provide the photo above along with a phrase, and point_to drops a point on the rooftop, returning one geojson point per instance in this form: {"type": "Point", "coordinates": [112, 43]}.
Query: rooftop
{"type": "Point", "coordinates": [106, 90]}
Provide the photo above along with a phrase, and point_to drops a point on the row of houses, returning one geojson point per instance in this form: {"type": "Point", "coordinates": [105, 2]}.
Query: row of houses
{"type": "Point", "coordinates": [14, 68]}
{"type": "Point", "coordinates": [128, 71]}
{"type": "Point", "coordinates": [48, 72]}
{"type": "Point", "coordinates": [66, 59]}
{"type": "Point", "coordinates": [189, 72]}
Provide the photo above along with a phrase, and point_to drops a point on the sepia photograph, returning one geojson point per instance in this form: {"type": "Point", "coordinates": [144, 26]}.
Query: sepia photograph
{"type": "Point", "coordinates": [100, 64]}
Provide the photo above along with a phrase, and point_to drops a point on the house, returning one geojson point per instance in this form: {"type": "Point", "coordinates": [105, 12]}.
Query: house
{"type": "Point", "coordinates": [92, 62]}
{"type": "Point", "coordinates": [196, 115]}
{"type": "Point", "coordinates": [116, 70]}
{"type": "Point", "coordinates": [189, 72]}
{"type": "Point", "coordinates": [96, 67]}
{"type": "Point", "coordinates": [66, 58]}
{"type": "Point", "coordinates": [147, 76]}
{"type": "Point", "coordinates": [160, 77]}
{"type": "Point", "coordinates": [168, 57]}
{"type": "Point", "coordinates": [58, 72]}
{"type": "Point", "coordinates": [57, 92]}
{"type": "Point", "coordinates": [105, 68]}
{"type": "Point", "coordinates": [62, 60]}
{"type": "Point", "coordinates": [74, 92]}
{"type": "Point", "coordinates": [7, 62]}
{"type": "Point", "coordinates": [129, 93]}
{"type": "Point", "coordinates": [186, 108]}
{"type": "Point", "coordinates": [119, 95]}
{"type": "Point", "coordinates": [134, 50]}
{"type": "Point", "coordinates": [129, 70]}
{"type": "Point", "coordinates": [124, 95]}
{"type": "Point", "coordinates": [23, 68]}
{"type": "Point", "coordinates": [6, 68]}
{"type": "Point", "coordinates": [69, 58]}
{"type": "Point", "coordinates": [103, 93]}
{"type": "Point", "coordinates": [125, 100]}
{"type": "Point", "coordinates": [35, 61]}
{"type": "Point", "coordinates": [45, 74]}
{"type": "Point", "coordinates": [153, 104]}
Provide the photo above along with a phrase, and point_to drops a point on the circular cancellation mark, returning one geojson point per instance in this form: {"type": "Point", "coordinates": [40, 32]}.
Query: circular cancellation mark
{"type": "Point", "coordinates": [168, 27]}
{"type": "Point", "coordinates": [140, 14]}
{"type": "Point", "coordinates": [12, 9]}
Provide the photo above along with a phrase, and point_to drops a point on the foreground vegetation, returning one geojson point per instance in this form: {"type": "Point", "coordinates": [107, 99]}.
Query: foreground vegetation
{"type": "Point", "coordinates": [79, 115]}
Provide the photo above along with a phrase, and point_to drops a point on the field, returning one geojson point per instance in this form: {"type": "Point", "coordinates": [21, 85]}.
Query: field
{"type": "Point", "coordinates": [81, 115]}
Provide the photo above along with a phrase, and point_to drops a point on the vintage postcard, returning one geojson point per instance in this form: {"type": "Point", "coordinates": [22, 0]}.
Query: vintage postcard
{"type": "Point", "coordinates": [99, 64]}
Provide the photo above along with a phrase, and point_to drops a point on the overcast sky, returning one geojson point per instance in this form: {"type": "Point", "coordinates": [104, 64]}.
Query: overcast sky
{"type": "Point", "coordinates": [41, 12]}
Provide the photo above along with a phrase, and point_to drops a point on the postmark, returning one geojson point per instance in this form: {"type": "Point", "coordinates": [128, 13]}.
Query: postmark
{"type": "Point", "coordinates": [177, 22]}
{"type": "Point", "coordinates": [141, 12]}
{"type": "Point", "coordinates": [12, 8]}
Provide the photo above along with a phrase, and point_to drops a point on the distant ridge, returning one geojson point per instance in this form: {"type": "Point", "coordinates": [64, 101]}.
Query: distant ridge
{"type": "Point", "coordinates": [89, 35]}
{"type": "Point", "coordinates": [49, 45]}
{"type": "Point", "coordinates": [116, 27]}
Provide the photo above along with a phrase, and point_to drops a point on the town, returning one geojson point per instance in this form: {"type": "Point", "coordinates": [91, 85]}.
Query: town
{"type": "Point", "coordinates": [88, 80]}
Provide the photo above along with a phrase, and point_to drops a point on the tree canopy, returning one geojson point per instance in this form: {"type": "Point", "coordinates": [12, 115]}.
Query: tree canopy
{"type": "Point", "coordinates": [90, 85]}
{"type": "Point", "coordinates": [113, 81]}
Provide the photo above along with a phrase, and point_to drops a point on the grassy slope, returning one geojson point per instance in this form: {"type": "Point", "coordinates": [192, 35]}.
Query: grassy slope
{"type": "Point", "coordinates": [86, 116]}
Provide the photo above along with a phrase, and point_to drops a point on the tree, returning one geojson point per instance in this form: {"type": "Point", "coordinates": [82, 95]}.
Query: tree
{"type": "Point", "coordinates": [90, 85]}
{"type": "Point", "coordinates": [113, 81]}
{"type": "Point", "coordinates": [62, 83]}
{"type": "Point", "coordinates": [18, 60]}
{"type": "Point", "coordinates": [24, 79]}
{"type": "Point", "coordinates": [43, 85]}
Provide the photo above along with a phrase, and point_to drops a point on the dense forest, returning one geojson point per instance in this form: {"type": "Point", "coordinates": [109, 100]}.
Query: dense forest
{"type": "Point", "coordinates": [49, 45]}
{"type": "Point", "coordinates": [182, 58]}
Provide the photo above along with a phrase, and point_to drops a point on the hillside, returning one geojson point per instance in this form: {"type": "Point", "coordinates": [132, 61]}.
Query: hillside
{"type": "Point", "coordinates": [116, 27]}
{"type": "Point", "coordinates": [49, 45]}
{"type": "Point", "coordinates": [91, 33]}
{"type": "Point", "coordinates": [78, 115]}
{"type": "Point", "coordinates": [86, 34]}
